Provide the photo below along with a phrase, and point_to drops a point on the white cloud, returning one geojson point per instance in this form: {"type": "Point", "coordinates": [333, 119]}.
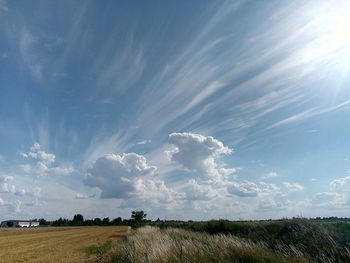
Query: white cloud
{"type": "Point", "coordinates": [330, 199]}
{"type": "Point", "coordinates": [26, 168]}
{"type": "Point", "coordinates": [198, 154]}
{"type": "Point", "coordinates": [309, 113]}
{"type": "Point", "coordinates": [130, 178]}
{"type": "Point", "coordinates": [272, 203]}
{"type": "Point", "coordinates": [196, 191]}
{"type": "Point", "coordinates": [251, 189]}
{"type": "Point", "coordinates": [27, 45]}
{"type": "Point", "coordinates": [81, 196]}
{"type": "Point", "coordinates": [293, 187]}
{"type": "Point", "coordinates": [270, 175]}
{"type": "Point", "coordinates": [36, 152]}
{"type": "Point", "coordinates": [144, 142]}
{"type": "Point", "coordinates": [102, 145]}
{"type": "Point", "coordinates": [43, 169]}
{"type": "Point", "coordinates": [2, 202]}
{"type": "Point", "coordinates": [340, 181]}
{"type": "Point", "coordinates": [44, 163]}
{"type": "Point", "coordinates": [154, 192]}
{"type": "Point", "coordinates": [116, 175]}
{"type": "Point", "coordinates": [269, 188]}
{"type": "Point", "coordinates": [6, 179]}
{"type": "Point", "coordinates": [35, 192]}
{"type": "Point", "coordinates": [15, 207]}
{"type": "Point", "coordinates": [2, 159]}
{"type": "Point", "coordinates": [244, 189]}
{"type": "Point", "coordinates": [6, 186]}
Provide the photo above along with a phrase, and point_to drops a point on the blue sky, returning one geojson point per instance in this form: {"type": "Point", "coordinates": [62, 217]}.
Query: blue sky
{"type": "Point", "coordinates": [184, 109]}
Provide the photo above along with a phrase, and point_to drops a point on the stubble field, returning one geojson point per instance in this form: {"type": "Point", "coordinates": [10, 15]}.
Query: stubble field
{"type": "Point", "coordinates": [62, 244]}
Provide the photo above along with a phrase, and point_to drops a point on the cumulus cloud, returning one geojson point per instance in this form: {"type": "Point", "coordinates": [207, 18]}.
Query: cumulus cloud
{"type": "Point", "coordinates": [244, 189]}
{"type": "Point", "coordinates": [116, 175]}
{"type": "Point", "coordinates": [195, 191]}
{"type": "Point", "coordinates": [266, 188]}
{"type": "Point", "coordinates": [340, 181]}
{"type": "Point", "coordinates": [154, 192]}
{"type": "Point", "coordinates": [251, 189]}
{"type": "Point", "coordinates": [198, 154]}
{"type": "Point", "coordinates": [44, 165]}
{"type": "Point", "coordinates": [36, 152]}
{"type": "Point", "coordinates": [271, 202]}
{"type": "Point", "coordinates": [130, 178]}
{"type": "Point", "coordinates": [293, 187]}
{"type": "Point", "coordinates": [63, 170]}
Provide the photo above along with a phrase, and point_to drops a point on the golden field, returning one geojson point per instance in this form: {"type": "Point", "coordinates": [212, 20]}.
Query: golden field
{"type": "Point", "coordinates": [55, 244]}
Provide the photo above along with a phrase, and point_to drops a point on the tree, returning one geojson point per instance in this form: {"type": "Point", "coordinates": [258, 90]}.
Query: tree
{"type": "Point", "coordinates": [43, 222]}
{"type": "Point", "coordinates": [105, 221]}
{"type": "Point", "coordinates": [97, 221]}
{"type": "Point", "coordinates": [78, 219]}
{"type": "Point", "coordinates": [138, 216]}
{"type": "Point", "coordinates": [117, 221]}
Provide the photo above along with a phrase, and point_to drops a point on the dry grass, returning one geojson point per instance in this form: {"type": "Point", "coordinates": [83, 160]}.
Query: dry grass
{"type": "Point", "coordinates": [152, 245]}
{"type": "Point", "coordinates": [62, 244]}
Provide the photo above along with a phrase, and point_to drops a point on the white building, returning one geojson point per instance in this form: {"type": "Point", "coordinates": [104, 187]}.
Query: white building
{"type": "Point", "coordinates": [19, 223]}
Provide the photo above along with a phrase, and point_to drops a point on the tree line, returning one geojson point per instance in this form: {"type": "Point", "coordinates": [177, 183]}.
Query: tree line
{"type": "Point", "coordinates": [137, 218]}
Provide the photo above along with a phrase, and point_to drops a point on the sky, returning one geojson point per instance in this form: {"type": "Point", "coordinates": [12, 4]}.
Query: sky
{"type": "Point", "coordinates": [190, 110]}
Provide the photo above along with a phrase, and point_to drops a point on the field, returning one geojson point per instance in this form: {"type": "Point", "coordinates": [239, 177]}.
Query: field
{"type": "Point", "coordinates": [51, 244]}
{"type": "Point", "coordinates": [292, 241]}
{"type": "Point", "coordinates": [221, 241]}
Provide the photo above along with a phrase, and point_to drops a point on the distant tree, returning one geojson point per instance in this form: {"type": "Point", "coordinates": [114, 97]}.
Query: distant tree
{"type": "Point", "coordinates": [43, 222]}
{"type": "Point", "coordinates": [105, 221]}
{"type": "Point", "coordinates": [78, 219]}
{"type": "Point", "coordinates": [158, 220]}
{"type": "Point", "coordinates": [97, 221]}
{"type": "Point", "coordinates": [138, 216]}
{"type": "Point", "coordinates": [61, 222]}
{"type": "Point", "coordinates": [117, 221]}
{"type": "Point", "coordinates": [88, 222]}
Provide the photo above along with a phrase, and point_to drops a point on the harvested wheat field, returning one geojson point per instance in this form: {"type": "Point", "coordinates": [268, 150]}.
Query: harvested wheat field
{"type": "Point", "coordinates": [61, 244]}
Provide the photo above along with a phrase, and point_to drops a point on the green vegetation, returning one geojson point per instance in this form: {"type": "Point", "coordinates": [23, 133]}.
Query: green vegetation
{"type": "Point", "coordinates": [288, 240]}
{"type": "Point", "coordinates": [322, 242]}
{"type": "Point", "coordinates": [154, 245]}
{"type": "Point", "coordinates": [100, 251]}
{"type": "Point", "coordinates": [294, 240]}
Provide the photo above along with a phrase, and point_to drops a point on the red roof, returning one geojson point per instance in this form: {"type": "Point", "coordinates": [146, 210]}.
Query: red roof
{"type": "Point", "coordinates": [16, 220]}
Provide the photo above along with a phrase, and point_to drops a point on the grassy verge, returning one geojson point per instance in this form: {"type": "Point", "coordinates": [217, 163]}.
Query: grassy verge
{"type": "Point", "coordinates": [320, 242]}
{"type": "Point", "coordinates": [154, 245]}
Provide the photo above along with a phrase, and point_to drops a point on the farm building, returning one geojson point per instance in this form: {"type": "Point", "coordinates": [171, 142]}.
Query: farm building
{"type": "Point", "coordinates": [19, 223]}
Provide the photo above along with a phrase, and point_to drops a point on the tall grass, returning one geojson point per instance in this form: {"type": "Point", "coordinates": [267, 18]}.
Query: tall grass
{"type": "Point", "coordinates": [320, 242]}
{"type": "Point", "coordinates": [154, 245]}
